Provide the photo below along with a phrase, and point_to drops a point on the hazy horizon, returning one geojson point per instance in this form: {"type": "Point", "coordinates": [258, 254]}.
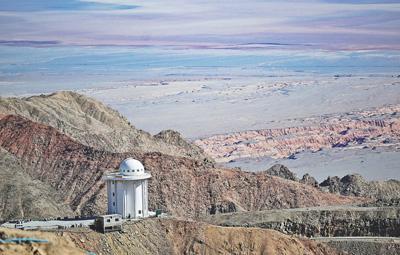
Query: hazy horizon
{"type": "Point", "coordinates": [48, 45]}
{"type": "Point", "coordinates": [305, 24]}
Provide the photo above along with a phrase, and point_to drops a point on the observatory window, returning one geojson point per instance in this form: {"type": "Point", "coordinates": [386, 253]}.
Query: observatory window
{"type": "Point", "coordinates": [108, 220]}
{"type": "Point", "coordinates": [138, 170]}
{"type": "Point", "coordinates": [140, 212]}
{"type": "Point", "coordinates": [113, 194]}
{"type": "Point", "coordinates": [116, 219]}
{"type": "Point", "coordinates": [128, 171]}
{"type": "Point", "coordinates": [113, 203]}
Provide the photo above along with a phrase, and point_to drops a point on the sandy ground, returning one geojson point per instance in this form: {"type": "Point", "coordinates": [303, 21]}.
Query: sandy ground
{"type": "Point", "coordinates": [199, 108]}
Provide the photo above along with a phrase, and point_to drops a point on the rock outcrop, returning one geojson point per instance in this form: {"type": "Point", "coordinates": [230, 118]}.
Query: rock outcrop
{"type": "Point", "coordinates": [349, 185]}
{"type": "Point", "coordinates": [282, 171]}
{"type": "Point", "coordinates": [356, 185]}
{"type": "Point", "coordinates": [180, 185]}
{"type": "Point", "coordinates": [309, 180]}
{"type": "Point", "coordinates": [331, 184]}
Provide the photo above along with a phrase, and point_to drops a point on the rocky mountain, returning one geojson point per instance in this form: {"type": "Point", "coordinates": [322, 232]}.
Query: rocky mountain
{"type": "Point", "coordinates": [180, 185]}
{"type": "Point", "coordinates": [94, 124]}
{"type": "Point", "coordinates": [54, 151]}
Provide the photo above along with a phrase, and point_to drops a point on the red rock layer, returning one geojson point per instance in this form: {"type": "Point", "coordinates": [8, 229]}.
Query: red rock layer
{"type": "Point", "coordinates": [361, 130]}
{"type": "Point", "coordinates": [182, 186]}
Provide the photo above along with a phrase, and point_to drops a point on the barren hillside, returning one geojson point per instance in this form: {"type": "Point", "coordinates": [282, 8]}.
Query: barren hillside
{"type": "Point", "coordinates": [94, 124]}
{"type": "Point", "coordinates": [180, 185]}
{"type": "Point", "coordinates": [23, 197]}
{"type": "Point", "coordinates": [171, 236]}
{"type": "Point", "coordinates": [164, 236]}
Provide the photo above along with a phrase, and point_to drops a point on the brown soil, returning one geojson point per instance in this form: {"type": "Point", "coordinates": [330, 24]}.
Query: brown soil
{"type": "Point", "coordinates": [55, 245]}
{"type": "Point", "coordinates": [171, 236]}
{"type": "Point", "coordinates": [180, 185]}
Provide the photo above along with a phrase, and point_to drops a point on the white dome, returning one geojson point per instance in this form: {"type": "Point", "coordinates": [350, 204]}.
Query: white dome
{"type": "Point", "coordinates": [131, 166]}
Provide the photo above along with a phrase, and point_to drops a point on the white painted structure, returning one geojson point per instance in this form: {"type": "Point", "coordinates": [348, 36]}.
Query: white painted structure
{"type": "Point", "coordinates": [127, 190]}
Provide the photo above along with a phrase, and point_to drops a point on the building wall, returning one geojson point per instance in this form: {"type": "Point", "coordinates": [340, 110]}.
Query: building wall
{"type": "Point", "coordinates": [128, 198]}
{"type": "Point", "coordinates": [111, 195]}
{"type": "Point", "coordinates": [139, 199]}
{"type": "Point", "coordinates": [145, 199]}
{"type": "Point", "coordinates": [120, 198]}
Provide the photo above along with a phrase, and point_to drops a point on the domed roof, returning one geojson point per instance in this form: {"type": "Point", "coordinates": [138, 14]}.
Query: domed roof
{"type": "Point", "coordinates": [131, 166]}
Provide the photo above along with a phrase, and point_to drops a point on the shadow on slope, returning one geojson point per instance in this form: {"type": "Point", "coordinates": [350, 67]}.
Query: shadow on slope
{"type": "Point", "coordinates": [180, 185]}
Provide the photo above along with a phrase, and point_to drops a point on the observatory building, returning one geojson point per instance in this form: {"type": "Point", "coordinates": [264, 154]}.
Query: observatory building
{"type": "Point", "coordinates": [127, 190]}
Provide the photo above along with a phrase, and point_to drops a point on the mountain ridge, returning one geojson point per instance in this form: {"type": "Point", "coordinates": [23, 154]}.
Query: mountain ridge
{"type": "Point", "coordinates": [180, 185]}
{"type": "Point", "coordinates": [96, 125]}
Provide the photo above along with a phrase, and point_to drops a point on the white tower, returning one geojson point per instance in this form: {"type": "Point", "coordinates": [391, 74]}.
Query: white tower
{"type": "Point", "coordinates": [127, 190]}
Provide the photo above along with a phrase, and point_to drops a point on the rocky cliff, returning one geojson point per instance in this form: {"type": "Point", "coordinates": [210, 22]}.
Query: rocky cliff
{"type": "Point", "coordinates": [378, 127]}
{"type": "Point", "coordinates": [364, 245]}
{"type": "Point", "coordinates": [180, 185]}
{"type": "Point", "coordinates": [319, 221]}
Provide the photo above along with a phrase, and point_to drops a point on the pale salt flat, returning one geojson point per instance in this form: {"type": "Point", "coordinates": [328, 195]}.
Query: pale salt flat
{"type": "Point", "coordinates": [202, 107]}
